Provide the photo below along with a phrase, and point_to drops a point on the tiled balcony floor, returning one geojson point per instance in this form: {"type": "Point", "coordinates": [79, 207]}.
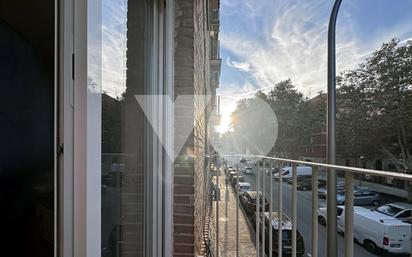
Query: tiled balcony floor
{"type": "Point", "coordinates": [227, 226]}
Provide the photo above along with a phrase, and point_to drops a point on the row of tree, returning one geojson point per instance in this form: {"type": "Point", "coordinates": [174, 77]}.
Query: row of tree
{"type": "Point", "coordinates": [374, 112]}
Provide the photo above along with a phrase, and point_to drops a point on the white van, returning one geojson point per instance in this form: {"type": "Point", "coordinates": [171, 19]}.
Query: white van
{"type": "Point", "coordinates": [375, 230]}
{"type": "Point", "coordinates": [300, 171]}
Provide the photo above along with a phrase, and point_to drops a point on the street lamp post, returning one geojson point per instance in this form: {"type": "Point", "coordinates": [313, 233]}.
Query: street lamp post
{"type": "Point", "coordinates": [332, 249]}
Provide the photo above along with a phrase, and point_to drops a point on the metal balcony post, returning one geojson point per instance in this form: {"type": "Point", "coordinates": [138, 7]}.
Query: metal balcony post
{"type": "Point", "coordinates": [263, 207]}
{"type": "Point", "coordinates": [294, 209]}
{"type": "Point", "coordinates": [349, 214]}
{"type": "Point", "coordinates": [280, 210]}
{"type": "Point", "coordinates": [237, 207]}
{"type": "Point", "coordinates": [217, 196]}
{"type": "Point", "coordinates": [257, 208]}
{"type": "Point", "coordinates": [271, 208]}
{"type": "Point", "coordinates": [332, 249]}
{"type": "Point", "coordinates": [314, 212]}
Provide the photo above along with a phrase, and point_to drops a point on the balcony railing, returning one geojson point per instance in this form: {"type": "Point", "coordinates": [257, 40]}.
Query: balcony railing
{"type": "Point", "coordinates": [215, 49]}
{"type": "Point", "coordinates": [260, 181]}
{"type": "Point", "coordinates": [215, 17]}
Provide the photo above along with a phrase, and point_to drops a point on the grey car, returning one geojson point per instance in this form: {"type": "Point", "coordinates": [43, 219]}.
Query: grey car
{"type": "Point", "coordinates": [322, 192]}
{"type": "Point", "coordinates": [361, 197]}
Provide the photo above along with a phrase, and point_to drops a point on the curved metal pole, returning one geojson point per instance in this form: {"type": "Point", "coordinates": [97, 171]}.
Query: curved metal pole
{"type": "Point", "coordinates": [332, 249]}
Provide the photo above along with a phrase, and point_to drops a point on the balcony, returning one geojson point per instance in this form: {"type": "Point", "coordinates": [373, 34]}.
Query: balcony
{"type": "Point", "coordinates": [215, 62]}
{"type": "Point", "coordinates": [215, 18]}
{"type": "Point", "coordinates": [308, 224]}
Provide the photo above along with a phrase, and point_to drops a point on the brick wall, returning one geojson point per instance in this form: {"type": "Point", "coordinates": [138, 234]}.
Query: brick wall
{"type": "Point", "coordinates": [191, 78]}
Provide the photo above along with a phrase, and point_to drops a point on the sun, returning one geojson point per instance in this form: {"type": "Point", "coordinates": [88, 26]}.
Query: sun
{"type": "Point", "coordinates": [226, 109]}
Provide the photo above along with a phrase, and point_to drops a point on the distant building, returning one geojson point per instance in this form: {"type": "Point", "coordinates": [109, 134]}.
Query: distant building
{"type": "Point", "coordinates": [314, 148]}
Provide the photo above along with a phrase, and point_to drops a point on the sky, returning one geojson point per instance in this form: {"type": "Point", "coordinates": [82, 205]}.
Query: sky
{"type": "Point", "coordinates": [266, 41]}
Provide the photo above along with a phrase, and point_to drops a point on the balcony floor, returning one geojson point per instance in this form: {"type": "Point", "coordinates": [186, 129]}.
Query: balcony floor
{"type": "Point", "coordinates": [227, 225]}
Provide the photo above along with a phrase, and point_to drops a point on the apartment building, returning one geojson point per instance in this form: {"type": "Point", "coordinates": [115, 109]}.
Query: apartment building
{"type": "Point", "coordinates": [98, 159]}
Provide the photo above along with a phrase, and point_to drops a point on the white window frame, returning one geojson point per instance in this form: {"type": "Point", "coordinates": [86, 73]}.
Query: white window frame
{"type": "Point", "coordinates": [64, 201]}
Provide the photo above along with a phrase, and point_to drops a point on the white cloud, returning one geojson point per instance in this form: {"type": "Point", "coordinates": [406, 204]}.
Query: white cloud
{"type": "Point", "coordinates": [243, 66]}
{"type": "Point", "coordinates": [294, 45]}
{"type": "Point", "coordinates": [114, 46]}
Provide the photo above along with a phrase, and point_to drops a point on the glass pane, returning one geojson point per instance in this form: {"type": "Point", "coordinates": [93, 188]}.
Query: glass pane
{"type": "Point", "coordinates": [27, 128]}
{"type": "Point", "coordinates": [125, 28]}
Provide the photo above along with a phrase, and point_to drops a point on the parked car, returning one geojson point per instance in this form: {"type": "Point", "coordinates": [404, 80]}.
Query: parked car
{"type": "Point", "coordinates": [236, 179]}
{"type": "Point", "coordinates": [244, 187]}
{"type": "Point", "coordinates": [275, 170]}
{"type": "Point", "coordinates": [232, 174]}
{"type": "Point", "coordinates": [375, 230]}
{"type": "Point", "coordinates": [248, 201]}
{"type": "Point", "coordinates": [272, 226]}
{"type": "Point", "coordinates": [229, 169]}
{"type": "Point", "coordinates": [304, 183]}
{"type": "Point", "coordinates": [398, 210]}
{"type": "Point", "coordinates": [361, 197]}
{"type": "Point", "coordinates": [340, 187]}
{"type": "Point", "coordinates": [287, 172]}
{"type": "Point", "coordinates": [248, 171]}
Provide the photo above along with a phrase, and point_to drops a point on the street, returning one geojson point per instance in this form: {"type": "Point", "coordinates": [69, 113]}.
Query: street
{"type": "Point", "coordinates": [305, 216]}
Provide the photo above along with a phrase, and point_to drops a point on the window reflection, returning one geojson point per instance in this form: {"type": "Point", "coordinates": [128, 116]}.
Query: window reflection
{"type": "Point", "coordinates": [125, 26]}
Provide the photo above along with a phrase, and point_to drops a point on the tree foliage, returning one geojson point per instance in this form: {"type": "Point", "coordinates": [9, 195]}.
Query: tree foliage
{"type": "Point", "coordinates": [375, 105]}
{"type": "Point", "coordinates": [291, 110]}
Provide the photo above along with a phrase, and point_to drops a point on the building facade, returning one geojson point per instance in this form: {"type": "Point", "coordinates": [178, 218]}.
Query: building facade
{"type": "Point", "coordinates": [194, 37]}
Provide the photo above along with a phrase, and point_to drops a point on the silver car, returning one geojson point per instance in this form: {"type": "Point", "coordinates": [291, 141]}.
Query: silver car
{"type": "Point", "coordinates": [322, 192]}
{"type": "Point", "coordinates": [361, 197]}
{"type": "Point", "coordinates": [244, 187]}
{"type": "Point", "coordinates": [248, 171]}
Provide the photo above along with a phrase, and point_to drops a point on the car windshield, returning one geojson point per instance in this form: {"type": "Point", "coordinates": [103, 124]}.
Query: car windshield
{"type": "Point", "coordinates": [246, 188]}
{"type": "Point", "coordinates": [388, 210]}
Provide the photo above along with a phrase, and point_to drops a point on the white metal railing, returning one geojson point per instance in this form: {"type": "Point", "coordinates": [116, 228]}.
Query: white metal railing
{"type": "Point", "coordinates": [215, 49]}
{"type": "Point", "coordinates": [279, 162]}
{"type": "Point", "coordinates": [215, 16]}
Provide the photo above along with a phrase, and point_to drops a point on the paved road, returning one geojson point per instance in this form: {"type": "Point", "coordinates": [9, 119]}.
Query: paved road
{"type": "Point", "coordinates": [305, 217]}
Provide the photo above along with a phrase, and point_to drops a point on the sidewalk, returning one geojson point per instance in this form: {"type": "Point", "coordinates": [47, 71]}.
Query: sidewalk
{"type": "Point", "coordinates": [227, 226]}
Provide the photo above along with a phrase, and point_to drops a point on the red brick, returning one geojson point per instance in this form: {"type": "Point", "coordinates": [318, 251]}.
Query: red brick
{"type": "Point", "coordinates": [182, 199]}
{"type": "Point", "coordinates": [183, 248]}
{"type": "Point", "coordinates": [179, 229]}
{"type": "Point", "coordinates": [184, 239]}
{"type": "Point", "coordinates": [188, 180]}
{"type": "Point", "coordinates": [183, 209]}
{"type": "Point", "coordinates": [184, 189]}
{"type": "Point", "coordinates": [182, 219]}
{"type": "Point", "coordinates": [186, 171]}
{"type": "Point", "coordinates": [183, 255]}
